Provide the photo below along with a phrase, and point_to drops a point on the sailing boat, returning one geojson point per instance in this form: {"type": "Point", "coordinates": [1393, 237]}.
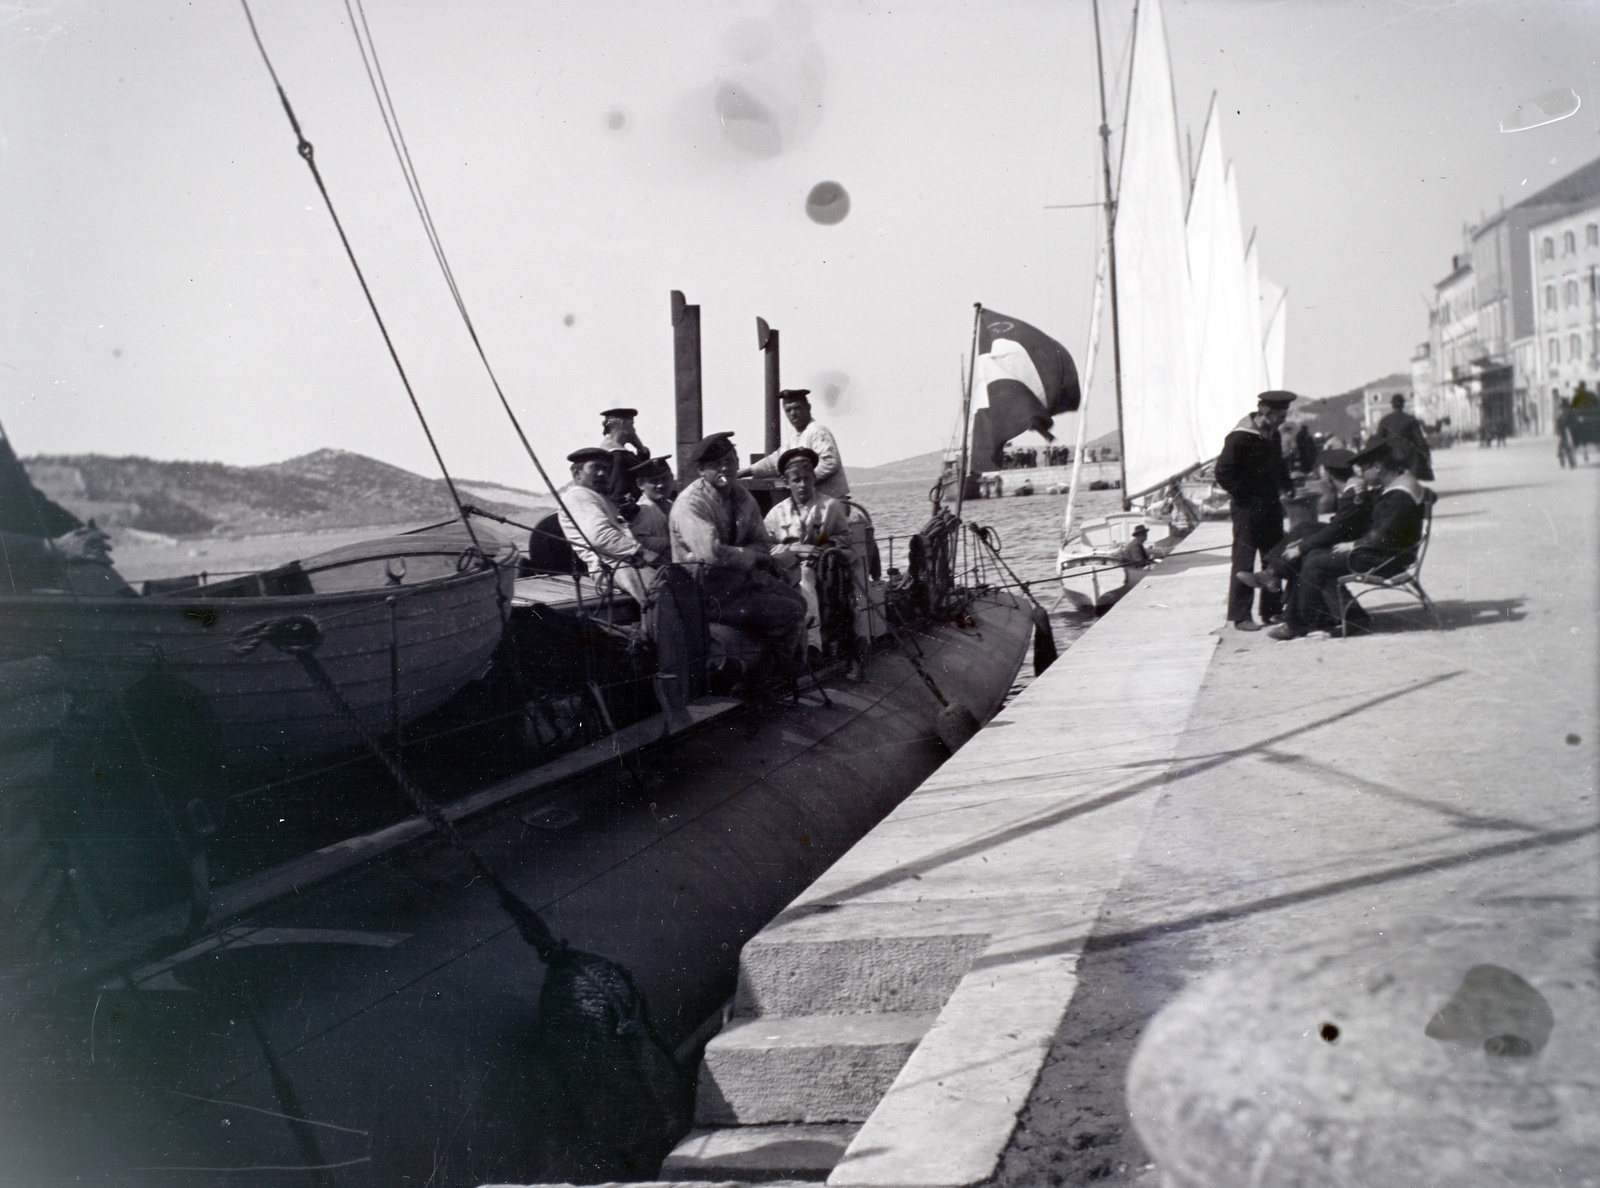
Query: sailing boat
{"type": "Point", "coordinates": [1187, 310]}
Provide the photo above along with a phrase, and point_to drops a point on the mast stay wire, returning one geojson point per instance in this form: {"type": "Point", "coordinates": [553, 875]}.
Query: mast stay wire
{"type": "Point", "coordinates": [397, 140]}
{"type": "Point", "coordinates": [308, 154]}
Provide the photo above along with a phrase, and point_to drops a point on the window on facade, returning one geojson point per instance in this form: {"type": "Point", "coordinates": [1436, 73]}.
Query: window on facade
{"type": "Point", "coordinates": [1591, 235]}
{"type": "Point", "coordinates": [1575, 347]}
{"type": "Point", "coordinates": [1547, 250]}
{"type": "Point", "coordinates": [1569, 243]}
{"type": "Point", "coordinates": [1570, 292]}
{"type": "Point", "coordinates": [1552, 351]}
{"type": "Point", "coordinates": [1549, 296]}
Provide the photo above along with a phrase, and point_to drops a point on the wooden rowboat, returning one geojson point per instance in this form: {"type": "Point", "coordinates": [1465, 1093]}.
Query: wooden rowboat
{"type": "Point", "coordinates": [407, 621]}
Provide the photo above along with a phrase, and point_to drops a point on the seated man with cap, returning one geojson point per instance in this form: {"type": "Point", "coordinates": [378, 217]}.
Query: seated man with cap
{"type": "Point", "coordinates": [650, 520]}
{"type": "Point", "coordinates": [1351, 518]}
{"type": "Point", "coordinates": [815, 437]}
{"type": "Point", "coordinates": [1251, 470]}
{"type": "Point", "coordinates": [596, 530]}
{"type": "Point", "coordinates": [717, 530]}
{"type": "Point", "coordinates": [802, 526]}
{"type": "Point", "coordinates": [624, 451]}
{"type": "Point", "coordinates": [1387, 546]}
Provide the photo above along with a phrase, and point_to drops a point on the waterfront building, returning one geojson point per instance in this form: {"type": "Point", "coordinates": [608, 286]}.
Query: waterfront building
{"type": "Point", "coordinates": [1484, 355]}
{"type": "Point", "coordinates": [1566, 281]}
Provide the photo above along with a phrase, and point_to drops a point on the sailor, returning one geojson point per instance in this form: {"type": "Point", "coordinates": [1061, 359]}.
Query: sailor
{"type": "Point", "coordinates": [1387, 546]}
{"type": "Point", "coordinates": [812, 434]}
{"type": "Point", "coordinates": [1252, 471]}
{"type": "Point", "coordinates": [650, 522]}
{"type": "Point", "coordinates": [596, 530]}
{"type": "Point", "coordinates": [624, 451]}
{"type": "Point", "coordinates": [43, 546]}
{"type": "Point", "coordinates": [802, 526]}
{"type": "Point", "coordinates": [1351, 518]}
{"type": "Point", "coordinates": [717, 530]}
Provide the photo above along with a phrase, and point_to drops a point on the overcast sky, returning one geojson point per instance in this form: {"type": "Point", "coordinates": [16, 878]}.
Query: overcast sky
{"type": "Point", "coordinates": [173, 286]}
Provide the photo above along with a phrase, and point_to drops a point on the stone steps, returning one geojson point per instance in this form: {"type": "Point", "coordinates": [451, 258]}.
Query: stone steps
{"type": "Point", "coordinates": [754, 1154]}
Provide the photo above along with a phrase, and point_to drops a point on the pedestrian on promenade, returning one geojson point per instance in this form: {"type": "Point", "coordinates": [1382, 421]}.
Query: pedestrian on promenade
{"type": "Point", "coordinates": [1407, 433]}
{"type": "Point", "coordinates": [1252, 471]}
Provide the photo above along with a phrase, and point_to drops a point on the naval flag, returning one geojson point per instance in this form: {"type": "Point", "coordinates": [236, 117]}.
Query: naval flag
{"type": "Point", "coordinates": [1028, 378]}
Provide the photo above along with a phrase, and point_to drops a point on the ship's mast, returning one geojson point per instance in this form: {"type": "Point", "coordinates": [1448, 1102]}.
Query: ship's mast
{"type": "Point", "coordinates": [1111, 241]}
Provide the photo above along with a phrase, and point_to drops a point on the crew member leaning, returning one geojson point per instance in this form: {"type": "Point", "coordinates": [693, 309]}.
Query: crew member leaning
{"type": "Point", "coordinates": [814, 436]}
{"type": "Point", "coordinates": [1252, 471]}
{"type": "Point", "coordinates": [595, 529]}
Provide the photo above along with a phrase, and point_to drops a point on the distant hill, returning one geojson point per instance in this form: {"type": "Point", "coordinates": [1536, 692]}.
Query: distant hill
{"type": "Point", "coordinates": [321, 490]}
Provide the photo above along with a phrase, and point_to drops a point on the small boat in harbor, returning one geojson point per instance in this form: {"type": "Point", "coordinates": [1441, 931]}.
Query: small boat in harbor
{"type": "Point", "coordinates": [1188, 306]}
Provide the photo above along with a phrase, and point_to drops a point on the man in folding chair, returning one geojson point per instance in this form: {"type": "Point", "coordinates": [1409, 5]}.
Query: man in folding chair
{"type": "Point", "coordinates": [1385, 549]}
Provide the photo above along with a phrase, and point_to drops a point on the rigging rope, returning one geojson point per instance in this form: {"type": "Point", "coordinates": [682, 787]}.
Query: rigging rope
{"type": "Point", "coordinates": [397, 141]}
{"type": "Point", "coordinates": [308, 154]}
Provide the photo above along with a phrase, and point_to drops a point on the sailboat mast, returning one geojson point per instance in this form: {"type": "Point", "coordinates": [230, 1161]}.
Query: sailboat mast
{"type": "Point", "coordinates": [966, 409]}
{"type": "Point", "coordinates": [1111, 242]}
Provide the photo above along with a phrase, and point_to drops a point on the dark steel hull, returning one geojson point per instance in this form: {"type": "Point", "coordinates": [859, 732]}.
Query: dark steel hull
{"type": "Point", "coordinates": [394, 1009]}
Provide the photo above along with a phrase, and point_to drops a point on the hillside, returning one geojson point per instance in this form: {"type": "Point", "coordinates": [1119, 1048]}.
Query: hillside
{"type": "Point", "coordinates": [321, 490]}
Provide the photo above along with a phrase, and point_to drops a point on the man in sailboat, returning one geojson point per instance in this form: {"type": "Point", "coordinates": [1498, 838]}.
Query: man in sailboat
{"type": "Point", "coordinates": [717, 531]}
{"type": "Point", "coordinates": [814, 436]}
{"type": "Point", "coordinates": [1252, 471]}
{"type": "Point", "coordinates": [802, 526]}
{"type": "Point", "coordinates": [595, 528]}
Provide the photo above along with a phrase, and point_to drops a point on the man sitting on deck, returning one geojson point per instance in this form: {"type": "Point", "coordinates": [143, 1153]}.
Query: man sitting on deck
{"type": "Point", "coordinates": [595, 529]}
{"type": "Point", "coordinates": [717, 530]}
{"type": "Point", "coordinates": [1387, 547]}
{"type": "Point", "coordinates": [650, 519]}
{"type": "Point", "coordinates": [802, 526]}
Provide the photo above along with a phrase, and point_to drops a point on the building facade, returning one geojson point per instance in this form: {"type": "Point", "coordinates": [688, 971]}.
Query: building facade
{"type": "Point", "coordinates": [1485, 358]}
{"type": "Point", "coordinates": [1566, 284]}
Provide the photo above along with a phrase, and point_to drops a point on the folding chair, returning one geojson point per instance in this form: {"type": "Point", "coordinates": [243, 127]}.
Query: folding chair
{"type": "Point", "coordinates": [1407, 581]}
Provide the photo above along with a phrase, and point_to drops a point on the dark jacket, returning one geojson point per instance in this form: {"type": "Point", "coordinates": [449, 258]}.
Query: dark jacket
{"type": "Point", "coordinates": [1251, 469]}
{"type": "Point", "coordinates": [1350, 521]}
{"type": "Point", "coordinates": [1405, 431]}
{"type": "Point", "coordinates": [1390, 543]}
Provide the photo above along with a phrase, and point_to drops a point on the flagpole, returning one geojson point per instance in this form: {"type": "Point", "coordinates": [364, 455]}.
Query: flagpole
{"type": "Point", "coordinates": [1111, 242]}
{"type": "Point", "coordinates": [966, 408]}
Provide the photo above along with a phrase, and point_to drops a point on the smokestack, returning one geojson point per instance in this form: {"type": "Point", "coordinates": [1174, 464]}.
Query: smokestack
{"type": "Point", "coordinates": [686, 380]}
{"type": "Point", "coordinates": [767, 341]}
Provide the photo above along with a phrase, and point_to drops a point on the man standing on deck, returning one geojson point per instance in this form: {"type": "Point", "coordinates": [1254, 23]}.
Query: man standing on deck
{"type": "Point", "coordinates": [595, 529]}
{"type": "Point", "coordinates": [717, 530]}
{"type": "Point", "coordinates": [815, 437]}
{"type": "Point", "coordinates": [624, 452]}
{"type": "Point", "coordinates": [1251, 470]}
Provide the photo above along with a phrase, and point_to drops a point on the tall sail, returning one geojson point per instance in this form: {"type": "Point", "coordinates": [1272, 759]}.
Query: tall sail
{"type": "Point", "coordinates": [1252, 302]}
{"type": "Point", "coordinates": [1154, 303]}
{"type": "Point", "coordinates": [1274, 309]}
{"type": "Point", "coordinates": [1228, 355]}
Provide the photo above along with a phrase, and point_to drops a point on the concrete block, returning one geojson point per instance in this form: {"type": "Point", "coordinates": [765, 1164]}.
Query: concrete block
{"type": "Point", "coordinates": [852, 975]}
{"type": "Point", "coordinates": [811, 1068]}
{"type": "Point", "coordinates": [755, 1154]}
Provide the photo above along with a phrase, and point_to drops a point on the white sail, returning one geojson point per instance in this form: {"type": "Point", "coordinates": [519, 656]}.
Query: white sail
{"type": "Point", "coordinates": [1227, 353]}
{"type": "Point", "coordinates": [1155, 305]}
{"type": "Point", "coordinates": [1252, 281]}
{"type": "Point", "coordinates": [1274, 310]}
